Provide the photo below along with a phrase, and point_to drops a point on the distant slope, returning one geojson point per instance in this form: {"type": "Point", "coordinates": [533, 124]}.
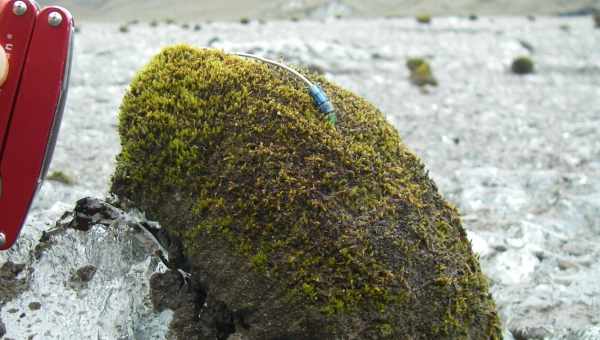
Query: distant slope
{"type": "Point", "coordinates": [119, 10]}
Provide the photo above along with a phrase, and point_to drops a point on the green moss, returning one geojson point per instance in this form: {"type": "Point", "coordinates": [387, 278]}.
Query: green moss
{"type": "Point", "coordinates": [522, 65]}
{"type": "Point", "coordinates": [59, 176]}
{"type": "Point", "coordinates": [231, 152]}
{"type": "Point", "coordinates": [424, 18]}
{"type": "Point", "coordinates": [420, 72]}
{"type": "Point", "coordinates": [413, 63]}
{"type": "Point", "coordinates": [124, 28]}
{"type": "Point", "coordinates": [244, 21]}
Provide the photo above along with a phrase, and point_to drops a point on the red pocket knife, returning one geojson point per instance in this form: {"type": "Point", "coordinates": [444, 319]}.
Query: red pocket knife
{"type": "Point", "coordinates": [35, 61]}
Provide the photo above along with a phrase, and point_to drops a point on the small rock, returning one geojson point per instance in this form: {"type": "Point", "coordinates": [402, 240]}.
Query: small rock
{"type": "Point", "coordinates": [530, 333]}
{"type": "Point", "coordinates": [90, 211]}
{"type": "Point", "coordinates": [85, 273]}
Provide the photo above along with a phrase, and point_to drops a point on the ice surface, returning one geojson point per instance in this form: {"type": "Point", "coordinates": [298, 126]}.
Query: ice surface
{"type": "Point", "coordinates": [114, 304]}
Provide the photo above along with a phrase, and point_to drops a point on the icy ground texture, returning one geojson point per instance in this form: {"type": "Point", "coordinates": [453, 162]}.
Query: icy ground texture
{"type": "Point", "coordinates": [110, 303]}
{"type": "Point", "coordinates": [520, 156]}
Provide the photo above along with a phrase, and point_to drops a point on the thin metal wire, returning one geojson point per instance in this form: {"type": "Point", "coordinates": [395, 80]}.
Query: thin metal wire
{"type": "Point", "coordinates": [272, 62]}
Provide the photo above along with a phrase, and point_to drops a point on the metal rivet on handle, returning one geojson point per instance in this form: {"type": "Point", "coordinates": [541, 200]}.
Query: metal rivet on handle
{"type": "Point", "coordinates": [19, 8]}
{"type": "Point", "coordinates": [54, 19]}
{"type": "Point", "coordinates": [2, 240]}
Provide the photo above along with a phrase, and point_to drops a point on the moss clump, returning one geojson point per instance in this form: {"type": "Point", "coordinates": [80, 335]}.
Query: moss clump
{"type": "Point", "coordinates": [61, 177]}
{"type": "Point", "coordinates": [424, 19]}
{"type": "Point", "coordinates": [244, 21]}
{"type": "Point", "coordinates": [420, 72]}
{"type": "Point", "coordinates": [522, 65]}
{"type": "Point", "coordinates": [124, 29]}
{"type": "Point", "coordinates": [314, 231]}
{"type": "Point", "coordinates": [153, 23]}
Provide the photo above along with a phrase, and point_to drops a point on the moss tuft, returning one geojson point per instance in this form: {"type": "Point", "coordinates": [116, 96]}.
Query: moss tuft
{"type": "Point", "coordinates": [424, 18]}
{"type": "Point", "coordinates": [61, 177]}
{"type": "Point", "coordinates": [348, 234]}
{"type": "Point", "coordinates": [420, 72]}
{"type": "Point", "coordinates": [522, 65]}
{"type": "Point", "coordinates": [124, 28]}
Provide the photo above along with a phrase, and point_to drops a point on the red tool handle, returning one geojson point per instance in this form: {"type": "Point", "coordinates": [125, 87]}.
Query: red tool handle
{"type": "Point", "coordinates": [15, 36]}
{"type": "Point", "coordinates": [35, 119]}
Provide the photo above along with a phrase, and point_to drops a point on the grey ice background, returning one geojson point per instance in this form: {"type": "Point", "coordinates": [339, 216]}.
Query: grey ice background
{"type": "Point", "coordinates": [519, 156]}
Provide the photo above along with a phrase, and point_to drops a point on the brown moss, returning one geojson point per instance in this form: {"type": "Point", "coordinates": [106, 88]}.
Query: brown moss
{"type": "Point", "coordinates": [232, 156]}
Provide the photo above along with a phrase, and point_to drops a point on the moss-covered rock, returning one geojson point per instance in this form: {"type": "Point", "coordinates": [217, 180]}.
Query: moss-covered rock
{"type": "Point", "coordinates": [420, 72]}
{"type": "Point", "coordinates": [302, 229]}
{"type": "Point", "coordinates": [522, 65]}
